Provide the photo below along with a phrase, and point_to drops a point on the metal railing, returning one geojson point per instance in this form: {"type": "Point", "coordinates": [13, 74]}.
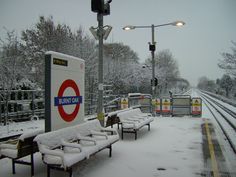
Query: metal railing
{"type": "Point", "coordinates": [20, 105]}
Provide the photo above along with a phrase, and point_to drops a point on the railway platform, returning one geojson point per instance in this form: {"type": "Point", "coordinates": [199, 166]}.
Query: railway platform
{"type": "Point", "coordinates": [216, 159]}
{"type": "Point", "coordinates": [175, 146]}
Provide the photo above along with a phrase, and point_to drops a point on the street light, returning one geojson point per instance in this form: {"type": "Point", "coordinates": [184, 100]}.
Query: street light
{"type": "Point", "coordinates": [128, 28]}
{"type": "Point", "coordinates": [178, 23]}
{"type": "Point", "coordinates": [175, 23]}
{"type": "Point", "coordinates": [152, 46]}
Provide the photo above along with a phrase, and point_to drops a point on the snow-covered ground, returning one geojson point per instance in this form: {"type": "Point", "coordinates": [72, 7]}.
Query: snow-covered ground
{"type": "Point", "coordinates": [16, 128]}
{"type": "Point", "coordinates": [173, 147]}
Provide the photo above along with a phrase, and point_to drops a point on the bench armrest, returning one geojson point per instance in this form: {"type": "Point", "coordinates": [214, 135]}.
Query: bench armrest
{"type": "Point", "coordinates": [85, 138]}
{"type": "Point", "coordinates": [128, 122]}
{"type": "Point", "coordinates": [73, 145]}
{"type": "Point", "coordinates": [97, 133]}
{"type": "Point", "coordinates": [108, 129]}
{"type": "Point", "coordinates": [47, 151]}
{"type": "Point", "coordinates": [139, 117]}
{"type": "Point", "coordinates": [134, 119]}
{"type": "Point", "coordinates": [53, 152]}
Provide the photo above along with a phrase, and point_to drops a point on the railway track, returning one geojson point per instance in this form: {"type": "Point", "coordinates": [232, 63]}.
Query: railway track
{"type": "Point", "coordinates": [225, 117]}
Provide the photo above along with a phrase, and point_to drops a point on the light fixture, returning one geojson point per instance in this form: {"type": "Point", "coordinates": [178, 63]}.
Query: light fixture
{"type": "Point", "coordinates": [129, 28]}
{"type": "Point", "coordinates": [152, 46]}
{"type": "Point", "coordinates": [178, 23]}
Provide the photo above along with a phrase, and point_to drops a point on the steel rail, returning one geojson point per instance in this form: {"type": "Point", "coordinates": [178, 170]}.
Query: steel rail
{"type": "Point", "coordinates": [207, 103]}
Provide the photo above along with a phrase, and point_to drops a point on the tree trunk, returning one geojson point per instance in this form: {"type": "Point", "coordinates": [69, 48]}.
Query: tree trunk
{"type": "Point", "coordinates": [227, 92]}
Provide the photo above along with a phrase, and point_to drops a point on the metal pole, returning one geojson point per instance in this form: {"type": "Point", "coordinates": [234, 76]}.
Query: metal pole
{"type": "Point", "coordinates": [33, 106]}
{"type": "Point", "coordinates": [1, 109]}
{"type": "Point", "coordinates": [153, 63]}
{"type": "Point", "coordinates": [100, 113]}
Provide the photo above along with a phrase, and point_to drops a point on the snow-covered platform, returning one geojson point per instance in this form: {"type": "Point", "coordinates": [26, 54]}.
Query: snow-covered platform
{"type": "Point", "coordinates": [173, 147]}
{"type": "Point", "coordinates": [17, 128]}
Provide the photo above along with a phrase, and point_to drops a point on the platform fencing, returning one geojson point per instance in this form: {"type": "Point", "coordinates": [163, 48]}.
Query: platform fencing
{"type": "Point", "coordinates": [178, 105]}
{"type": "Point", "coordinates": [21, 105]}
{"type": "Point", "coordinates": [181, 105]}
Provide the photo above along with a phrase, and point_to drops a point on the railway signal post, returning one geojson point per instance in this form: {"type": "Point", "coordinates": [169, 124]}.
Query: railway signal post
{"type": "Point", "coordinates": [102, 8]}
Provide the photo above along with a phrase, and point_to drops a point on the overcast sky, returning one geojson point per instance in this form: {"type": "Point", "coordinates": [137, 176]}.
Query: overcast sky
{"type": "Point", "coordinates": [197, 47]}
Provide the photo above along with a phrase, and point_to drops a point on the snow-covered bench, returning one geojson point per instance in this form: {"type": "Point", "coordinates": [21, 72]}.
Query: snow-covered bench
{"type": "Point", "coordinates": [63, 148]}
{"type": "Point", "coordinates": [20, 147]}
{"type": "Point", "coordinates": [132, 120]}
{"type": "Point", "coordinates": [112, 118]}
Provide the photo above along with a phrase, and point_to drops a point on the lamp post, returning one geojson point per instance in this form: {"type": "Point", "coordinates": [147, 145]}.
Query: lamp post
{"type": "Point", "coordinates": [152, 45]}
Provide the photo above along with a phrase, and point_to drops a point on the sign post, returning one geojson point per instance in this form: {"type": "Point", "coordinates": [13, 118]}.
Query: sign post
{"type": "Point", "coordinates": [166, 106]}
{"type": "Point", "coordinates": [64, 91]}
{"type": "Point", "coordinates": [157, 105]}
{"type": "Point", "coordinates": [124, 103]}
{"type": "Point", "coordinates": [196, 106]}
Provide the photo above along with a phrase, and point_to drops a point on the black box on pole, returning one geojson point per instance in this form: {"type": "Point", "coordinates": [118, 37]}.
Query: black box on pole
{"type": "Point", "coordinates": [97, 6]}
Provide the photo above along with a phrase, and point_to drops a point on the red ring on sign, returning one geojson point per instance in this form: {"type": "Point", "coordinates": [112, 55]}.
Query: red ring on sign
{"type": "Point", "coordinates": [65, 116]}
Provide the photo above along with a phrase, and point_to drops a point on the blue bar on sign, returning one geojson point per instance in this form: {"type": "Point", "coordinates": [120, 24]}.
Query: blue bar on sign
{"type": "Point", "coordinates": [67, 100]}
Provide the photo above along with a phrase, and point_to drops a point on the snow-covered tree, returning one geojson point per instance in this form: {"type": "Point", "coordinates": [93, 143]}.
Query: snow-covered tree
{"type": "Point", "coordinates": [12, 67]}
{"type": "Point", "coordinates": [45, 36]}
{"type": "Point", "coordinates": [229, 61]}
{"type": "Point", "coordinates": [121, 67]}
{"type": "Point", "coordinates": [226, 83]}
{"type": "Point", "coordinates": [206, 84]}
{"type": "Point", "coordinates": [166, 70]}
{"type": "Point", "coordinates": [181, 85]}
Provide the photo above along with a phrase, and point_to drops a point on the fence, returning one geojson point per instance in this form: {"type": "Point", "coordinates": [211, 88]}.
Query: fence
{"type": "Point", "coordinates": [181, 105]}
{"type": "Point", "coordinates": [19, 105]}
{"type": "Point", "coordinates": [142, 100]}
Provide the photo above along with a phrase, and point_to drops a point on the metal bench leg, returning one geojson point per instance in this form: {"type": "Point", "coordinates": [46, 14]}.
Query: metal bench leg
{"type": "Point", "coordinates": [149, 127]}
{"type": "Point", "coordinates": [70, 172]}
{"type": "Point", "coordinates": [110, 150]}
{"type": "Point", "coordinates": [48, 171]}
{"type": "Point", "coordinates": [122, 133]}
{"type": "Point", "coordinates": [32, 164]}
{"type": "Point", "coordinates": [13, 167]}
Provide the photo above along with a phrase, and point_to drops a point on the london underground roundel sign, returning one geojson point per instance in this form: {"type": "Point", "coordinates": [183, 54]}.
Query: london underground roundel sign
{"type": "Point", "coordinates": [60, 101]}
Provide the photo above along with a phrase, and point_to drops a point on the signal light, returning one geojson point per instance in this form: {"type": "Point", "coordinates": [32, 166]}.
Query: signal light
{"type": "Point", "coordinates": [98, 6]}
{"type": "Point", "coordinates": [155, 82]}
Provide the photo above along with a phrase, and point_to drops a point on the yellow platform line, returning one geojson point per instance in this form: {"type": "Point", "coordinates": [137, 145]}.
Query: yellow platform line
{"type": "Point", "coordinates": [214, 164]}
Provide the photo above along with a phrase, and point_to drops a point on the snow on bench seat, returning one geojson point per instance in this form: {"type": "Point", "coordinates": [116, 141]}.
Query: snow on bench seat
{"type": "Point", "coordinates": [132, 120]}
{"type": "Point", "coordinates": [63, 148]}
{"type": "Point", "coordinates": [21, 147]}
